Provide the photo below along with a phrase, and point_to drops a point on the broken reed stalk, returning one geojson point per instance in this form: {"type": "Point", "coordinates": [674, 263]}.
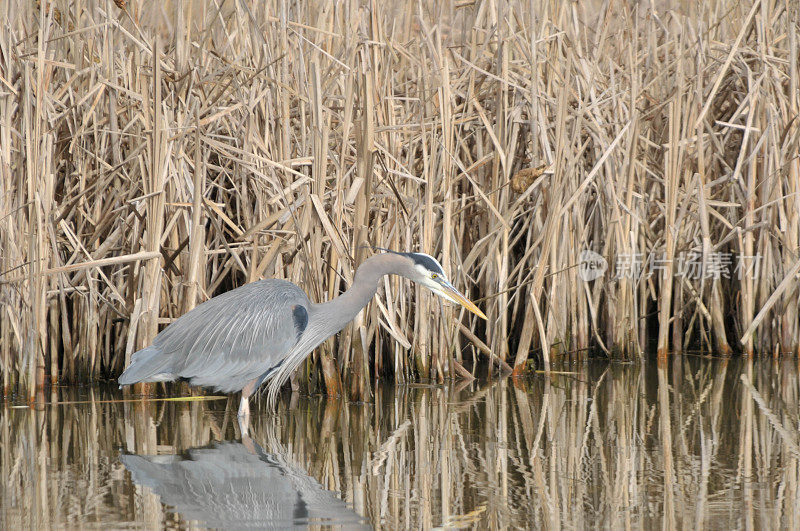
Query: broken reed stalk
{"type": "Point", "coordinates": [359, 374]}
{"type": "Point", "coordinates": [197, 238]}
{"type": "Point", "coordinates": [671, 181]}
{"type": "Point", "coordinates": [153, 187]}
{"type": "Point", "coordinates": [281, 137]}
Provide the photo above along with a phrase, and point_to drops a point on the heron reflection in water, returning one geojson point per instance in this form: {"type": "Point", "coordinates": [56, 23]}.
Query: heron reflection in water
{"type": "Point", "coordinates": [237, 485]}
{"type": "Point", "coordinates": [262, 331]}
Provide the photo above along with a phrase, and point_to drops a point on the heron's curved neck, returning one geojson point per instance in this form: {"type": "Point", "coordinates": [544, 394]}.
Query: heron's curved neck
{"type": "Point", "coordinates": [335, 314]}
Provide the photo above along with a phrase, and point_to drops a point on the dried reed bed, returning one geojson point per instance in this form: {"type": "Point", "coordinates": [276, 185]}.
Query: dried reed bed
{"type": "Point", "coordinates": [152, 157]}
{"type": "Point", "coordinates": [630, 446]}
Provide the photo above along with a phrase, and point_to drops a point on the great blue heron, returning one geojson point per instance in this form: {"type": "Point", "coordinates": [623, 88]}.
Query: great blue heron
{"type": "Point", "coordinates": [262, 331]}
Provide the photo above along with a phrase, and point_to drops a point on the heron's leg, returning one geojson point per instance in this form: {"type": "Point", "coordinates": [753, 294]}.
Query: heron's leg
{"type": "Point", "coordinates": [244, 418]}
{"type": "Point", "coordinates": [244, 415]}
{"type": "Point", "coordinates": [247, 391]}
{"type": "Point", "coordinates": [244, 406]}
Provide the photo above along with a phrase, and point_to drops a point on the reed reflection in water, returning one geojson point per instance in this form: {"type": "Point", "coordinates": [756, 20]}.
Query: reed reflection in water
{"type": "Point", "coordinates": [702, 443]}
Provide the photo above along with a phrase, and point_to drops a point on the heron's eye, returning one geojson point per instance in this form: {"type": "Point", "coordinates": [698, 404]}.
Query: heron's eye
{"type": "Point", "coordinates": [434, 276]}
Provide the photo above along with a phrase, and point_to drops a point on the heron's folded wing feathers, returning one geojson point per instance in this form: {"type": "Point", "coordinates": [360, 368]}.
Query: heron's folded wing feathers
{"type": "Point", "coordinates": [234, 337]}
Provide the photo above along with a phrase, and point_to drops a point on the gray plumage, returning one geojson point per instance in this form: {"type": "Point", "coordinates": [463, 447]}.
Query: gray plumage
{"type": "Point", "coordinates": [228, 486]}
{"type": "Point", "coordinates": [263, 331]}
{"type": "Point", "coordinates": [227, 341]}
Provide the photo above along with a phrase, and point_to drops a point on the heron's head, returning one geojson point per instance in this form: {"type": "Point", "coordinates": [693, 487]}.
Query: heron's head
{"type": "Point", "coordinates": [425, 270]}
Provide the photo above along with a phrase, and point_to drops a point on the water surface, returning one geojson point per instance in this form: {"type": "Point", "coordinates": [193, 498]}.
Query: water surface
{"type": "Point", "coordinates": [702, 443]}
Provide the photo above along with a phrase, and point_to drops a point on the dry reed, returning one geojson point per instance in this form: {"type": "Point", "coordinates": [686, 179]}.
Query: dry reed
{"type": "Point", "coordinates": [152, 156]}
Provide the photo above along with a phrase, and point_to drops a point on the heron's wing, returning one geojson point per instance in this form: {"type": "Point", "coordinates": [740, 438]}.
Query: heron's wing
{"type": "Point", "coordinates": [232, 338]}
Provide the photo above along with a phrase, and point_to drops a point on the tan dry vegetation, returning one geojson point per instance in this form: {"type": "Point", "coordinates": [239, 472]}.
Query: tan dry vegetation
{"type": "Point", "coordinates": [155, 155]}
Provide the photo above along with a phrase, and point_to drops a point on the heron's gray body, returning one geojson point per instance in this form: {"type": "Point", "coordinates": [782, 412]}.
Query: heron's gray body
{"type": "Point", "coordinates": [227, 341]}
{"type": "Point", "coordinates": [264, 330]}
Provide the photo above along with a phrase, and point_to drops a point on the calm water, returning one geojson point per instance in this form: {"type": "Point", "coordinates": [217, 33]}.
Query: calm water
{"type": "Point", "coordinates": [623, 445]}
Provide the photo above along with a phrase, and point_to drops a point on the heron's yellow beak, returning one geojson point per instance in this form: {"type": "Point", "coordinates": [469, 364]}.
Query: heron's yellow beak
{"type": "Point", "coordinates": [452, 293]}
